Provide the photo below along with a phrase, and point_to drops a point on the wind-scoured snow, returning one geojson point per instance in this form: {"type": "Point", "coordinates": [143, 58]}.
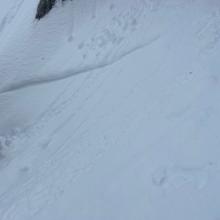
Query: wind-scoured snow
{"type": "Point", "coordinates": [109, 109]}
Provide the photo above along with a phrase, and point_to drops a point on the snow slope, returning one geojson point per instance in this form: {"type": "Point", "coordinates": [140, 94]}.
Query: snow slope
{"type": "Point", "coordinates": [110, 110]}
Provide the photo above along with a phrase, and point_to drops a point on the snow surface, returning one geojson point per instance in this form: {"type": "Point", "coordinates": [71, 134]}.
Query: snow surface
{"type": "Point", "coordinates": [110, 109]}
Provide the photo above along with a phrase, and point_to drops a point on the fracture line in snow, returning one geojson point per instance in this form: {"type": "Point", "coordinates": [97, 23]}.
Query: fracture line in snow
{"type": "Point", "coordinates": [48, 79]}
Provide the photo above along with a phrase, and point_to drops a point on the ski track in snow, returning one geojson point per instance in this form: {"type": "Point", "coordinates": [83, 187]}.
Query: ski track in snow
{"type": "Point", "coordinates": [118, 118]}
{"type": "Point", "coordinates": [27, 194]}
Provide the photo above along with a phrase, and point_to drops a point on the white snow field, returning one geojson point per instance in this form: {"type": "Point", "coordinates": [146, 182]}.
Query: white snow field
{"type": "Point", "coordinates": [110, 110]}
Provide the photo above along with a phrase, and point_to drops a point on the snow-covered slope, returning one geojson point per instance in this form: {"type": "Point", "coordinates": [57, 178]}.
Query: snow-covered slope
{"type": "Point", "coordinates": [110, 110]}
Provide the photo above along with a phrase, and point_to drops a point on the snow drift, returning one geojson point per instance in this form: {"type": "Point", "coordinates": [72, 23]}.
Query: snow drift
{"type": "Point", "coordinates": [78, 36]}
{"type": "Point", "coordinates": [109, 109]}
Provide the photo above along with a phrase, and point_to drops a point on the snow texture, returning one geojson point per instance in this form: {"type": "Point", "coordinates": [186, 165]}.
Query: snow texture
{"type": "Point", "coordinates": [109, 109]}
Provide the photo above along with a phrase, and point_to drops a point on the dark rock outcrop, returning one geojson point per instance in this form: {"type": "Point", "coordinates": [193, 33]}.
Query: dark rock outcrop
{"type": "Point", "coordinates": [44, 7]}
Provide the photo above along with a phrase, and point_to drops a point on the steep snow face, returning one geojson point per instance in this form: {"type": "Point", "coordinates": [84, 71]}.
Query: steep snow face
{"type": "Point", "coordinates": [83, 35]}
{"type": "Point", "coordinates": [76, 37]}
{"type": "Point", "coordinates": [109, 109]}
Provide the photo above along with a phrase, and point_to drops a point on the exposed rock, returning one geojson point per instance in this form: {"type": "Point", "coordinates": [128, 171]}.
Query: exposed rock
{"type": "Point", "coordinates": [44, 7]}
